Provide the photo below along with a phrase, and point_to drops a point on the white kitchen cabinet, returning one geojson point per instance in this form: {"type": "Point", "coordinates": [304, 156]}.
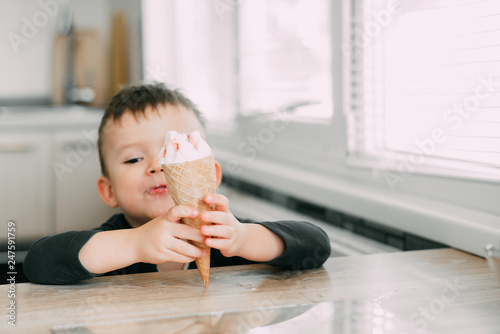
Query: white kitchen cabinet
{"type": "Point", "coordinates": [76, 170]}
{"type": "Point", "coordinates": [48, 171]}
{"type": "Point", "coordinates": [25, 182]}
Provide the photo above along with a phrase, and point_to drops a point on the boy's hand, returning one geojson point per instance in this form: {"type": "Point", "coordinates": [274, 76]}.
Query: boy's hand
{"type": "Point", "coordinates": [159, 240]}
{"type": "Point", "coordinates": [227, 232]}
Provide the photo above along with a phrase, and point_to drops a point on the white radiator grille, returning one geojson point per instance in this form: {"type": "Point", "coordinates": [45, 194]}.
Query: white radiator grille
{"type": "Point", "coordinates": [343, 242]}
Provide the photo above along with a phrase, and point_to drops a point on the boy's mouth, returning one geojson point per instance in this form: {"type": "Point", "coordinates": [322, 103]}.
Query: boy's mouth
{"type": "Point", "coordinates": [158, 189]}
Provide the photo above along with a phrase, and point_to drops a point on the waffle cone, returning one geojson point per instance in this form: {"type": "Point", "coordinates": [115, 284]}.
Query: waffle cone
{"type": "Point", "coordinates": [188, 183]}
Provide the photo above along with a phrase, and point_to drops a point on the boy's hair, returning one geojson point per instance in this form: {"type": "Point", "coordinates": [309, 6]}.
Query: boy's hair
{"type": "Point", "coordinates": [135, 100]}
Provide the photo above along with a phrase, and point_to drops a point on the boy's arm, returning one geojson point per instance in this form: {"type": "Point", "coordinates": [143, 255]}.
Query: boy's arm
{"type": "Point", "coordinates": [107, 251]}
{"type": "Point", "coordinates": [54, 259]}
{"type": "Point", "coordinates": [306, 245]}
{"type": "Point", "coordinates": [159, 240]}
{"type": "Point", "coordinates": [298, 245]}
{"type": "Point", "coordinates": [77, 255]}
{"type": "Point", "coordinates": [261, 244]}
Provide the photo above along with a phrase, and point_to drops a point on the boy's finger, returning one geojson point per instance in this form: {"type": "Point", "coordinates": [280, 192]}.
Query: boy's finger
{"type": "Point", "coordinates": [221, 202]}
{"type": "Point", "coordinates": [218, 231]}
{"type": "Point", "coordinates": [184, 248]}
{"type": "Point", "coordinates": [181, 231]}
{"type": "Point", "coordinates": [180, 211]}
{"type": "Point", "coordinates": [216, 217]}
{"type": "Point", "coordinates": [218, 243]}
{"type": "Point", "coordinates": [176, 257]}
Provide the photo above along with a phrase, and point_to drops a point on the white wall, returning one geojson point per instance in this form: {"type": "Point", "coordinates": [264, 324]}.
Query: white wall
{"type": "Point", "coordinates": [26, 69]}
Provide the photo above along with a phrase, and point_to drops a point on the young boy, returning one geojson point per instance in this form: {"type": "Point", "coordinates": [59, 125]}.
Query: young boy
{"type": "Point", "coordinates": [148, 235]}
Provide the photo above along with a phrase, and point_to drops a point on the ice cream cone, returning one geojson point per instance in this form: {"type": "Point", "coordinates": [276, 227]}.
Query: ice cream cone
{"type": "Point", "coordinates": [188, 183]}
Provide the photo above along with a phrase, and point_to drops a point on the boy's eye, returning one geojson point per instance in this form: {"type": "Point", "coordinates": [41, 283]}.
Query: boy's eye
{"type": "Point", "coordinates": [133, 161]}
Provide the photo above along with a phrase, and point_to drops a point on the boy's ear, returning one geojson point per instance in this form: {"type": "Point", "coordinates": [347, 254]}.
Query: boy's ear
{"type": "Point", "coordinates": [218, 173]}
{"type": "Point", "coordinates": [106, 192]}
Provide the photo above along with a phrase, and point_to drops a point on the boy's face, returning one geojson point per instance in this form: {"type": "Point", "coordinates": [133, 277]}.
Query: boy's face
{"type": "Point", "coordinates": [135, 180]}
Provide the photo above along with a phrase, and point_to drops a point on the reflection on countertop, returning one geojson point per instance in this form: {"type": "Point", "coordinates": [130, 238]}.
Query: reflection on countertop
{"type": "Point", "coordinates": [346, 316]}
{"type": "Point", "coordinates": [441, 291]}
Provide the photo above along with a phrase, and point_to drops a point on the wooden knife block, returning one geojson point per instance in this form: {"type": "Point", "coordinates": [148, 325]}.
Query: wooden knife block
{"type": "Point", "coordinates": [90, 67]}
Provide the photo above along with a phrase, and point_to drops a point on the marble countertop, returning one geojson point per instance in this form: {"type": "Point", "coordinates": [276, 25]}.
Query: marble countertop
{"type": "Point", "coordinates": [430, 291]}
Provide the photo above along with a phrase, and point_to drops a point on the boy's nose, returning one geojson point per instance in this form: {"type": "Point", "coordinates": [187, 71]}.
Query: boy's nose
{"type": "Point", "coordinates": [156, 168]}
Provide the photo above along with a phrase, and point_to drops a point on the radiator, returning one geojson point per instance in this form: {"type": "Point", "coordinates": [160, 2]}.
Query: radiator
{"type": "Point", "coordinates": [343, 242]}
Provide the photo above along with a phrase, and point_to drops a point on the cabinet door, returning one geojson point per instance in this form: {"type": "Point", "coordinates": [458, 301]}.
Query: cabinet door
{"type": "Point", "coordinates": [25, 184]}
{"type": "Point", "coordinates": [76, 170]}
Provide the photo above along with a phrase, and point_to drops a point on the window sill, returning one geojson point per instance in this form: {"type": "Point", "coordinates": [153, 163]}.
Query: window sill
{"type": "Point", "coordinates": [452, 225]}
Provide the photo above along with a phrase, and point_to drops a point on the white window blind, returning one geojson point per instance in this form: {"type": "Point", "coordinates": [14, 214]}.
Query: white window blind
{"type": "Point", "coordinates": [424, 86]}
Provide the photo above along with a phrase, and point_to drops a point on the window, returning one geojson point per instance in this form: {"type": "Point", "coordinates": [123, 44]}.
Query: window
{"type": "Point", "coordinates": [189, 44]}
{"type": "Point", "coordinates": [424, 86]}
{"type": "Point", "coordinates": [284, 57]}
{"type": "Point", "coordinates": [242, 57]}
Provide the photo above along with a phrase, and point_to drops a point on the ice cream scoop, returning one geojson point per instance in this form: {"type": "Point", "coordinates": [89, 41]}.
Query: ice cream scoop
{"type": "Point", "coordinates": [183, 147]}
